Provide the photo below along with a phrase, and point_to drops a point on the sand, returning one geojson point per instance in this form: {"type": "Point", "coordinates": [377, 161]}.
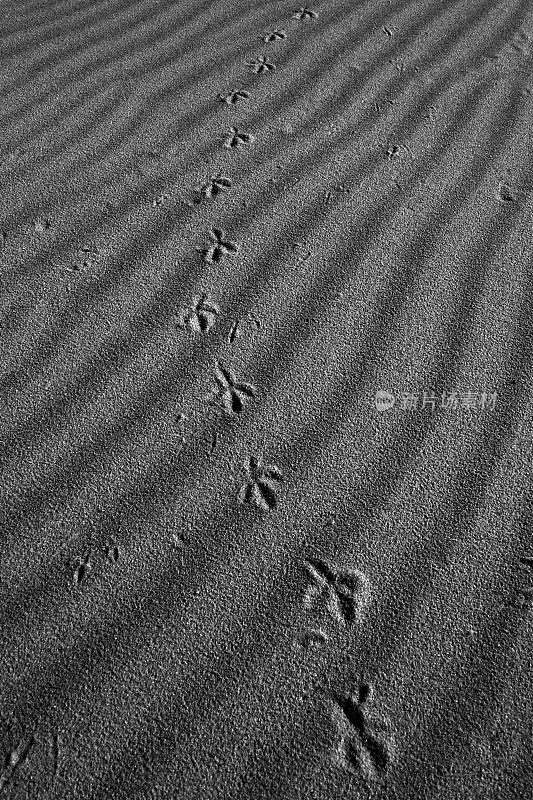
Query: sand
{"type": "Point", "coordinates": [266, 493]}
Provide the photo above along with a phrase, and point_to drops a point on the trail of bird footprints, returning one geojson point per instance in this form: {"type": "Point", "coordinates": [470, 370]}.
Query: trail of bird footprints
{"type": "Point", "coordinates": [341, 595]}
{"type": "Point", "coordinates": [336, 598]}
{"type": "Point", "coordinates": [232, 394]}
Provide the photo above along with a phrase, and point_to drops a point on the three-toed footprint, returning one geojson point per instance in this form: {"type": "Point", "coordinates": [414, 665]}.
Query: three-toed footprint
{"type": "Point", "coordinates": [201, 316]}
{"type": "Point", "coordinates": [366, 744]}
{"type": "Point", "coordinates": [274, 36]}
{"type": "Point", "coordinates": [261, 65]}
{"type": "Point", "coordinates": [233, 97]}
{"type": "Point", "coordinates": [261, 487]}
{"type": "Point", "coordinates": [238, 138]}
{"type": "Point", "coordinates": [231, 393]}
{"type": "Point", "coordinates": [218, 248]}
{"type": "Point", "coordinates": [217, 184]}
{"type": "Point", "coordinates": [305, 13]}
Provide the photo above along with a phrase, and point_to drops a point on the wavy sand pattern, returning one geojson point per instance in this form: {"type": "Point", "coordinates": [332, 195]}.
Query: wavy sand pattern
{"type": "Point", "coordinates": [265, 414]}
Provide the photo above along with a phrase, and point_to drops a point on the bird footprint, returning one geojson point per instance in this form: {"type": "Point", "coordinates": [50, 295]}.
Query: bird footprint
{"type": "Point", "coordinates": [262, 485]}
{"type": "Point", "coordinates": [305, 13]}
{"type": "Point", "coordinates": [217, 184]}
{"type": "Point", "coordinates": [230, 392]}
{"type": "Point", "coordinates": [201, 317]}
{"type": "Point", "coordinates": [366, 740]}
{"type": "Point", "coordinates": [233, 97]}
{"type": "Point", "coordinates": [261, 65]}
{"type": "Point", "coordinates": [219, 247]}
{"type": "Point", "coordinates": [274, 36]}
{"type": "Point", "coordinates": [345, 592]}
{"type": "Point", "coordinates": [238, 138]}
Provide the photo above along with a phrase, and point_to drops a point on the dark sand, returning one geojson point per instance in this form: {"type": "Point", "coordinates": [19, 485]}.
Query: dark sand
{"type": "Point", "coordinates": [225, 572]}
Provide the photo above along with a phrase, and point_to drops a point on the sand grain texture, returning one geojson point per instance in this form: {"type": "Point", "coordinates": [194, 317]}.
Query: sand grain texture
{"type": "Point", "coordinates": [266, 485]}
